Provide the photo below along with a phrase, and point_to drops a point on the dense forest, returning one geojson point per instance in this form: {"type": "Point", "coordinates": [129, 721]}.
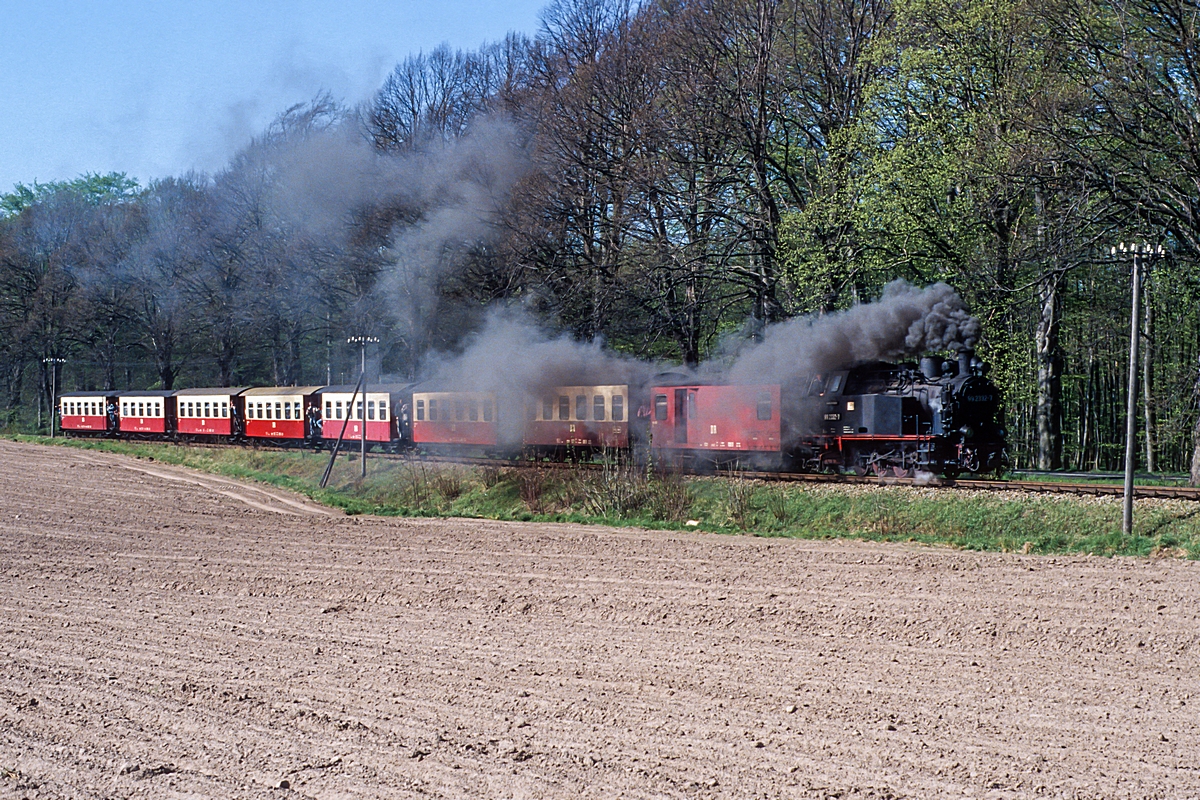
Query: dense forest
{"type": "Point", "coordinates": [662, 176]}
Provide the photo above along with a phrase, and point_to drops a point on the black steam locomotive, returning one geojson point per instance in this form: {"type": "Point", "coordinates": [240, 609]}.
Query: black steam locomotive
{"type": "Point", "coordinates": [941, 417]}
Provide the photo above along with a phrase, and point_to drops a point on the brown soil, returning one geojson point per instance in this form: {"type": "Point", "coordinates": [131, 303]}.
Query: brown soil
{"type": "Point", "coordinates": [169, 634]}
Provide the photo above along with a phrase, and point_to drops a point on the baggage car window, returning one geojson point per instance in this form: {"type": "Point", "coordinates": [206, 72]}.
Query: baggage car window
{"type": "Point", "coordinates": [764, 406]}
{"type": "Point", "coordinates": [581, 407]}
{"type": "Point", "coordinates": [660, 407]}
{"type": "Point", "coordinates": [564, 407]}
{"type": "Point", "coordinates": [420, 410]}
{"type": "Point", "coordinates": [598, 408]}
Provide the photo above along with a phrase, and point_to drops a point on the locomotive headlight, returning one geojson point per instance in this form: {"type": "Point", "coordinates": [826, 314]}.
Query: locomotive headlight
{"type": "Point", "coordinates": [1001, 432]}
{"type": "Point", "coordinates": [968, 432]}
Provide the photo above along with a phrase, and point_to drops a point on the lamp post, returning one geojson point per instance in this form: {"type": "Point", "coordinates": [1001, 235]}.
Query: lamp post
{"type": "Point", "coordinates": [363, 341]}
{"type": "Point", "coordinates": [53, 364]}
{"type": "Point", "coordinates": [1140, 253]}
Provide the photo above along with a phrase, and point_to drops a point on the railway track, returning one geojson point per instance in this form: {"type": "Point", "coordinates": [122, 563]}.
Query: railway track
{"type": "Point", "coordinates": [962, 484]}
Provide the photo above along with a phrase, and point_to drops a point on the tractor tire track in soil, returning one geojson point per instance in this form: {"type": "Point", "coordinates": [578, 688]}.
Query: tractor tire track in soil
{"type": "Point", "coordinates": [172, 634]}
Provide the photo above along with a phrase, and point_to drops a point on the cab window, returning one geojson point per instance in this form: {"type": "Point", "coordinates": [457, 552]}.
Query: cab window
{"type": "Point", "coordinates": [660, 407]}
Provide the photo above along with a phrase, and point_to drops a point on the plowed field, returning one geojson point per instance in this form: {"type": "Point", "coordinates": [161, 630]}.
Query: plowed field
{"type": "Point", "coordinates": [171, 634]}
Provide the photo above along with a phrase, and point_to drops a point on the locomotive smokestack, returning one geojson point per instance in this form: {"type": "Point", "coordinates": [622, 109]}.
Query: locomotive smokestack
{"type": "Point", "coordinates": [964, 360]}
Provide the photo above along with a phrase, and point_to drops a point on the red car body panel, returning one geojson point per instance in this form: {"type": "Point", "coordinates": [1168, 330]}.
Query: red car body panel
{"type": "Point", "coordinates": [376, 431]}
{"type": "Point", "coordinates": [716, 417]}
{"type": "Point", "coordinates": [84, 422]}
{"type": "Point", "coordinates": [543, 433]}
{"type": "Point", "coordinates": [208, 427]}
{"type": "Point", "coordinates": [275, 428]}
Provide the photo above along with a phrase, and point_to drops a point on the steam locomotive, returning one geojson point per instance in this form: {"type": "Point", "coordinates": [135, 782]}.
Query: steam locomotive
{"type": "Point", "coordinates": [942, 417]}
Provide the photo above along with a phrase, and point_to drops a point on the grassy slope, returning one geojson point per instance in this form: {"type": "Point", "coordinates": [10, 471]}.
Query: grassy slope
{"type": "Point", "coordinates": [977, 521]}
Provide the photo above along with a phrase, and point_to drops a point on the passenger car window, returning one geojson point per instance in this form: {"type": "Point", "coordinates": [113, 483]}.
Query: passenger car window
{"type": "Point", "coordinates": [548, 409]}
{"type": "Point", "coordinates": [564, 407]}
{"type": "Point", "coordinates": [581, 407]}
{"type": "Point", "coordinates": [764, 405]}
{"type": "Point", "coordinates": [598, 407]}
{"type": "Point", "coordinates": [660, 407]}
{"type": "Point", "coordinates": [421, 410]}
{"type": "Point", "coordinates": [432, 410]}
{"type": "Point", "coordinates": [487, 410]}
{"type": "Point", "coordinates": [618, 408]}
{"type": "Point", "coordinates": [473, 410]}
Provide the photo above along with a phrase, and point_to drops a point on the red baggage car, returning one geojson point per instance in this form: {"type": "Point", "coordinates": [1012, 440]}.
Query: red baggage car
{"type": "Point", "coordinates": [716, 422]}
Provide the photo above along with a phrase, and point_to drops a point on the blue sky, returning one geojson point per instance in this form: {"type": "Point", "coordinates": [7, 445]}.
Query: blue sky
{"type": "Point", "coordinates": [157, 88]}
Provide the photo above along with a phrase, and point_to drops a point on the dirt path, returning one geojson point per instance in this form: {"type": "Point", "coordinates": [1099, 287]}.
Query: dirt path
{"type": "Point", "coordinates": [167, 634]}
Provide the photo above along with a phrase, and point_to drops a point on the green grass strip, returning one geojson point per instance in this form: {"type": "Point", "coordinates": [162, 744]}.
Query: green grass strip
{"type": "Point", "coordinates": [626, 496]}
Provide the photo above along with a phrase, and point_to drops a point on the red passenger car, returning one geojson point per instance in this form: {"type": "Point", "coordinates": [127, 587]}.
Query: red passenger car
{"type": "Point", "coordinates": [455, 418]}
{"type": "Point", "coordinates": [280, 412]}
{"type": "Point", "coordinates": [579, 417]}
{"type": "Point", "coordinates": [85, 412]}
{"type": "Point", "coordinates": [386, 412]}
{"type": "Point", "coordinates": [716, 422]}
{"type": "Point", "coordinates": [146, 412]}
{"type": "Point", "coordinates": [208, 412]}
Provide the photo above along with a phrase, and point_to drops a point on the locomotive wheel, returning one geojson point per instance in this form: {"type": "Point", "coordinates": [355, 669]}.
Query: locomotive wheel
{"type": "Point", "coordinates": [950, 473]}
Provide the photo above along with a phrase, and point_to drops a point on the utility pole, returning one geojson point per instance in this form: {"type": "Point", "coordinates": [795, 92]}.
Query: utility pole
{"type": "Point", "coordinates": [53, 364]}
{"type": "Point", "coordinates": [1140, 254]}
{"type": "Point", "coordinates": [363, 341]}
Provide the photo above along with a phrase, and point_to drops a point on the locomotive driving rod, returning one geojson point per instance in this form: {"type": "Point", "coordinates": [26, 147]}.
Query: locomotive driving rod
{"type": "Point", "coordinates": [345, 424]}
